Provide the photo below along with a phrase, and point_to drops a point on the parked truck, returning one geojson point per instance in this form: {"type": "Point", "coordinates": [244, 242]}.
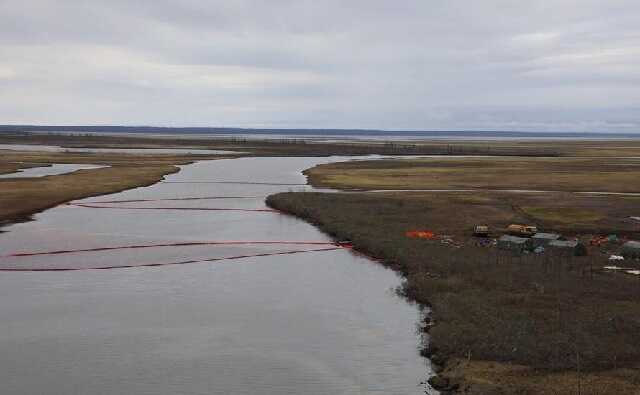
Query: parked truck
{"type": "Point", "coordinates": [522, 230]}
{"type": "Point", "coordinates": [481, 231]}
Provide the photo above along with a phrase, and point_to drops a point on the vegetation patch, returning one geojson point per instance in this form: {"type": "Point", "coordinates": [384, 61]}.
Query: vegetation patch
{"type": "Point", "coordinates": [564, 215]}
{"type": "Point", "coordinates": [503, 173]}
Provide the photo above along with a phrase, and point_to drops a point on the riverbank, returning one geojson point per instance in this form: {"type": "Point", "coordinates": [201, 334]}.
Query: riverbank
{"type": "Point", "coordinates": [12, 167]}
{"type": "Point", "coordinates": [499, 324]}
{"type": "Point", "coordinates": [20, 198]}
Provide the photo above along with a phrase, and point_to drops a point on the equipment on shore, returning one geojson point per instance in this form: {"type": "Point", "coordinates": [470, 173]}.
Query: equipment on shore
{"type": "Point", "coordinates": [603, 240]}
{"type": "Point", "coordinates": [631, 250]}
{"type": "Point", "coordinates": [542, 239]}
{"type": "Point", "coordinates": [421, 234]}
{"type": "Point", "coordinates": [481, 231]}
{"type": "Point", "coordinates": [522, 230]}
{"type": "Point", "coordinates": [513, 243]}
{"type": "Point", "coordinates": [567, 248]}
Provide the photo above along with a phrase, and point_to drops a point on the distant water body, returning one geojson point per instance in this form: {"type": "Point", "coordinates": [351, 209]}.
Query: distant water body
{"type": "Point", "coordinates": [324, 134]}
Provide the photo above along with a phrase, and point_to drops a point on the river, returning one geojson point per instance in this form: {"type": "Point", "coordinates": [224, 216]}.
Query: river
{"type": "Point", "coordinates": [322, 322]}
{"type": "Point", "coordinates": [52, 170]}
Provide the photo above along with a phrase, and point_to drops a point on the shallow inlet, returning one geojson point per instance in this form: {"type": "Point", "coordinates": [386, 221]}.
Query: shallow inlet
{"type": "Point", "coordinates": [53, 170]}
{"type": "Point", "coordinates": [323, 322]}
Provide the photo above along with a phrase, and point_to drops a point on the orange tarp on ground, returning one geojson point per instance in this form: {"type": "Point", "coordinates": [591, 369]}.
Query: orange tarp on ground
{"type": "Point", "coordinates": [421, 234]}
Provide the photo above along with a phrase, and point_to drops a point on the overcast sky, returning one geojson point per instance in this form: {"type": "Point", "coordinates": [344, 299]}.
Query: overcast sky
{"type": "Point", "coordinates": [555, 65]}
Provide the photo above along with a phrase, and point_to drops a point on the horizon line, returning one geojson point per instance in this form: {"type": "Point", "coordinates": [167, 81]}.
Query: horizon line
{"type": "Point", "coordinates": [222, 129]}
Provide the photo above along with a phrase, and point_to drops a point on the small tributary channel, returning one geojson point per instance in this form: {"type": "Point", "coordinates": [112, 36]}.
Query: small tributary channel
{"type": "Point", "coordinates": [52, 170]}
{"type": "Point", "coordinates": [321, 322]}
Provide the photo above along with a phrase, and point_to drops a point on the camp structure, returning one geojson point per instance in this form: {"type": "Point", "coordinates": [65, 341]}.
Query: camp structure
{"type": "Point", "coordinates": [566, 247]}
{"type": "Point", "coordinates": [542, 239]}
{"type": "Point", "coordinates": [631, 250]}
{"type": "Point", "coordinates": [522, 230]}
{"type": "Point", "coordinates": [512, 243]}
{"type": "Point", "coordinates": [481, 231]}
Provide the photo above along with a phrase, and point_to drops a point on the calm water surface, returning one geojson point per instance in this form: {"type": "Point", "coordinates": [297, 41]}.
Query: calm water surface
{"type": "Point", "coordinates": [309, 323]}
{"type": "Point", "coordinates": [54, 169]}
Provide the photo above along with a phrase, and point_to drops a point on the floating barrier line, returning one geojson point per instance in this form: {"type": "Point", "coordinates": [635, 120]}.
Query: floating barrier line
{"type": "Point", "coordinates": [181, 244]}
{"type": "Point", "coordinates": [173, 199]}
{"type": "Point", "coordinates": [53, 269]}
{"type": "Point", "coordinates": [231, 182]}
{"type": "Point", "coordinates": [259, 210]}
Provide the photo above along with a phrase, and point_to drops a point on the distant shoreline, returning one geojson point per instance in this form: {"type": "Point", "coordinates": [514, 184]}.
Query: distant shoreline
{"type": "Point", "coordinates": [374, 134]}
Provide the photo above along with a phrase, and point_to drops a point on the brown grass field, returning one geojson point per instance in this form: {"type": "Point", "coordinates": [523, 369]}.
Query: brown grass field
{"type": "Point", "coordinates": [504, 324]}
{"type": "Point", "coordinates": [555, 174]}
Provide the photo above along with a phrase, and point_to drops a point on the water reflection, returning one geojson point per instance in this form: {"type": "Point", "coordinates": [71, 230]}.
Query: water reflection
{"type": "Point", "coordinates": [53, 170]}
{"type": "Point", "coordinates": [313, 323]}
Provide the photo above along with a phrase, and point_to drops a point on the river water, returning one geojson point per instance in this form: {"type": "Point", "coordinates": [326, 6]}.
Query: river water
{"type": "Point", "coordinates": [52, 170]}
{"type": "Point", "coordinates": [323, 322]}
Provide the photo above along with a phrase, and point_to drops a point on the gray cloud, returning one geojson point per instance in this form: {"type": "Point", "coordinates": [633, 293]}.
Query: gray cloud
{"type": "Point", "coordinates": [416, 64]}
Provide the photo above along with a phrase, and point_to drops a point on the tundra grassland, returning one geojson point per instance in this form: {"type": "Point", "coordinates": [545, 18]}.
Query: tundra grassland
{"type": "Point", "coordinates": [304, 147]}
{"type": "Point", "coordinates": [498, 323]}
{"type": "Point", "coordinates": [565, 174]}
